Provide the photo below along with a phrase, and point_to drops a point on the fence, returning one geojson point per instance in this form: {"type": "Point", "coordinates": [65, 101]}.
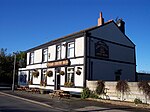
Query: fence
{"type": "Point", "coordinates": [113, 94]}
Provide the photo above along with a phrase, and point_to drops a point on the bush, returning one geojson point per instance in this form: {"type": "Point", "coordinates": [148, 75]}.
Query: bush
{"type": "Point", "coordinates": [145, 87]}
{"type": "Point", "coordinates": [122, 86]}
{"type": "Point", "coordinates": [85, 93]}
{"type": "Point", "coordinates": [137, 101]}
{"type": "Point", "coordinates": [35, 73]}
{"type": "Point", "coordinates": [49, 73]}
{"type": "Point", "coordinates": [100, 87]}
{"type": "Point", "coordinates": [93, 95]}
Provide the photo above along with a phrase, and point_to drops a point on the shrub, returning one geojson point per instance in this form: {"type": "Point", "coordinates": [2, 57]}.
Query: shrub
{"type": "Point", "coordinates": [145, 87]}
{"type": "Point", "coordinates": [122, 86]}
{"type": "Point", "coordinates": [93, 95]}
{"type": "Point", "coordinates": [62, 73]}
{"type": "Point", "coordinates": [68, 84]}
{"type": "Point", "coordinates": [35, 73]}
{"type": "Point", "coordinates": [85, 93]}
{"type": "Point", "coordinates": [137, 101]}
{"type": "Point", "coordinates": [100, 87]}
{"type": "Point", "coordinates": [78, 72]}
{"type": "Point", "coordinates": [49, 73]}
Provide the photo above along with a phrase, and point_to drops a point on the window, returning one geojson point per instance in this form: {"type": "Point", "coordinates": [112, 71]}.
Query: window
{"type": "Point", "coordinates": [44, 75]}
{"type": "Point", "coordinates": [31, 58]}
{"type": "Point", "coordinates": [30, 76]}
{"type": "Point", "coordinates": [58, 48]}
{"type": "Point", "coordinates": [70, 75]}
{"type": "Point", "coordinates": [70, 50]}
{"type": "Point", "coordinates": [45, 55]}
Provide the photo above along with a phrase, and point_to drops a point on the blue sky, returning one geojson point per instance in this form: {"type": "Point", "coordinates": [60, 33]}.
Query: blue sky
{"type": "Point", "coordinates": [25, 24]}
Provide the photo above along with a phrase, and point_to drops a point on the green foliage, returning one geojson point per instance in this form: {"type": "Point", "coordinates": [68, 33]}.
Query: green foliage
{"type": "Point", "coordinates": [137, 101]}
{"type": "Point", "coordinates": [145, 87]}
{"type": "Point", "coordinates": [85, 93]}
{"type": "Point", "coordinates": [100, 87]}
{"type": "Point", "coordinates": [7, 65]}
{"type": "Point", "coordinates": [93, 95]}
{"type": "Point", "coordinates": [69, 84]}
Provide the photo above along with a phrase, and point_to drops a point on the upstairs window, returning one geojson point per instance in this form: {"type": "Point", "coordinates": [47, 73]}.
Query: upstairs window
{"type": "Point", "coordinates": [31, 58]}
{"type": "Point", "coordinates": [58, 52]}
{"type": "Point", "coordinates": [45, 55]}
{"type": "Point", "coordinates": [70, 49]}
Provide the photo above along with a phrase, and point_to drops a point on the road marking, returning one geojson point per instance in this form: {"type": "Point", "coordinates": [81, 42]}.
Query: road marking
{"type": "Point", "coordinates": [32, 101]}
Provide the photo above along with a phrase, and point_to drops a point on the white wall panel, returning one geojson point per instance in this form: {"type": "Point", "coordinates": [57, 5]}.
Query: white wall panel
{"type": "Point", "coordinates": [79, 78]}
{"type": "Point", "coordinates": [63, 50]}
{"type": "Point", "coordinates": [52, 53]}
{"type": "Point", "coordinates": [77, 61]}
{"type": "Point", "coordinates": [28, 58]}
{"type": "Point", "coordinates": [38, 56]}
{"type": "Point", "coordinates": [79, 46]}
{"type": "Point", "coordinates": [50, 80]}
{"type": "Point", "coordinates": [62, 77]}
{"type": "Point", "coordinates": [37, 80]}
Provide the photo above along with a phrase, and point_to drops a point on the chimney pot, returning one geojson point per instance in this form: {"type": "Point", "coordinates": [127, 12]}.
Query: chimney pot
{"type": "Point", "coordinates": [100, 20]}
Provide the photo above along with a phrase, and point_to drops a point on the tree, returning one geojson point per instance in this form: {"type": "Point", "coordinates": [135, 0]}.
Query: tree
{"type": "Point", "coordinates": [7, 65]}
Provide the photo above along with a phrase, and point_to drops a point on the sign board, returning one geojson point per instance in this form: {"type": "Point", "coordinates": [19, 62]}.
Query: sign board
{"type": "Point", "coordinates": [58, 63]}
{"type": "Point", "coordinates": [101, 49]}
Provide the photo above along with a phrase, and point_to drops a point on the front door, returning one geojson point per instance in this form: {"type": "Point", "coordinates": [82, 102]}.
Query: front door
{"type": "Point", "coordinates": [57, 79]}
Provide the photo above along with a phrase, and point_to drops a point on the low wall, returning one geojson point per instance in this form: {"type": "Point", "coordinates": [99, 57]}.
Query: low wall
{"type": "Point", "coordinates": [113, 94]}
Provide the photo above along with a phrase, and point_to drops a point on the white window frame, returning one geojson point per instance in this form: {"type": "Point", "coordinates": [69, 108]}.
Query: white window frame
{"type": "Point", "coordinates": [32, 58]}
{"type": "Point", "coordinates": [70, 50]}
{"type": "Point", "coordinates": [70, 74]}
{"type": "Point", "coordinates": [58, 52]}
{"type": "Point", "coordinates": [45, 55]}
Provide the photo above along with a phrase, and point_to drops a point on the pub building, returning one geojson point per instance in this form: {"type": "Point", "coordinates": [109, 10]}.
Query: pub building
{"type": "Point", "coordinates": [102, 52]}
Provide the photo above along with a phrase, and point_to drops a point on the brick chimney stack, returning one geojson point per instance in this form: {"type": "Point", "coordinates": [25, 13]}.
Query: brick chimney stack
{"type": "Point", "coordinates": [100, 20]}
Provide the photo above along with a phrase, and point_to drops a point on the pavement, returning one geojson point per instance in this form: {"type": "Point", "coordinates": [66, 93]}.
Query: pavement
{"type": "Point", "coordinates": [75, 103]}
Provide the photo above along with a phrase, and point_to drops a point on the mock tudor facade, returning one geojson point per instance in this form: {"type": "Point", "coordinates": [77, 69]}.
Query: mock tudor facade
{"type": "Point", "coordinates": [102, 52]}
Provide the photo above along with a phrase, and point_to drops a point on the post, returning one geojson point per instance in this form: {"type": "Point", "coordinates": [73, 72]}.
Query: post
{"type": "Point", "coordinates": [13, 84]}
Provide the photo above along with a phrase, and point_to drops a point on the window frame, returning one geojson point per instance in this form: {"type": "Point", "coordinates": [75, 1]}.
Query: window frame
{"type": "Point", "coordinates": [57, 52]}
{"type": "Point", "coordinates": [70, 75]}
{"type": "Point", "coordinates": [70, 48]}
{"type": "Point", "coordinates": [31, 58]}
{"type": "Point", "coordinates": [45, 54]}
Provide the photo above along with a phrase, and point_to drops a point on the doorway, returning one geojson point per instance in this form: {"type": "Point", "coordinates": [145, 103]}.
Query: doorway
{"type": "Point", "coordinates": [57, 78]}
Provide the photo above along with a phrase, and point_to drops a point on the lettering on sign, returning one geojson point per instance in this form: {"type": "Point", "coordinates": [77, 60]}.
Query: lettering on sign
{"type": "Point", "coordinates": [58, 63]}
{"type": "Point", "coordinates": [101, 49]}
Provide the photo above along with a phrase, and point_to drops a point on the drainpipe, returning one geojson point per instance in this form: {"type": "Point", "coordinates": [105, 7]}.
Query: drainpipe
{"type": "Point", "coordinates": [85, 59]}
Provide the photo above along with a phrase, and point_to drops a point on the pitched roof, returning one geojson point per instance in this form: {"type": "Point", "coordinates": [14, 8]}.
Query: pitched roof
{"type": "Point", "coordinates": [67, 36]}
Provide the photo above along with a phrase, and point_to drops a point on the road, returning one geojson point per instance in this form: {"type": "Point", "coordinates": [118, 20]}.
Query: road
{"type": "Point", "coordinates": [11, 104]}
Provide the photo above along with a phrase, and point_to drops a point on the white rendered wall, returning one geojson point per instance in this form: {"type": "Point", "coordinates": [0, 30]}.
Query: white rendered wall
{"type": "Point", "coordinates": [79, 78]}
{"type": "Point", "coordinates": [62, 77]}
{"type": "Point", "coordinates": [79, 46]}
{"type": "Point", "coordinates": [63, 50]}
{"type": "Point", "coordinates": [52, 52]}
{"type": "Point", "coordinates": [28, 58]}
{"type": "Point", "coordinates": [50, 80]}
{"type": "Point", "coordinates": [37, 80]}
{"type": "Point", "coordinates": [38, 56]}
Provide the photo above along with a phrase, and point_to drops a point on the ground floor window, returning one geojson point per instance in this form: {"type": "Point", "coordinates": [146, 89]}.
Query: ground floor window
{"type": "Point", "coordinates": [70, 74]}
{"type": "Point", "coordinates": [43, 78]}
{"type": "Point", "coordinates": [30, 80]}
